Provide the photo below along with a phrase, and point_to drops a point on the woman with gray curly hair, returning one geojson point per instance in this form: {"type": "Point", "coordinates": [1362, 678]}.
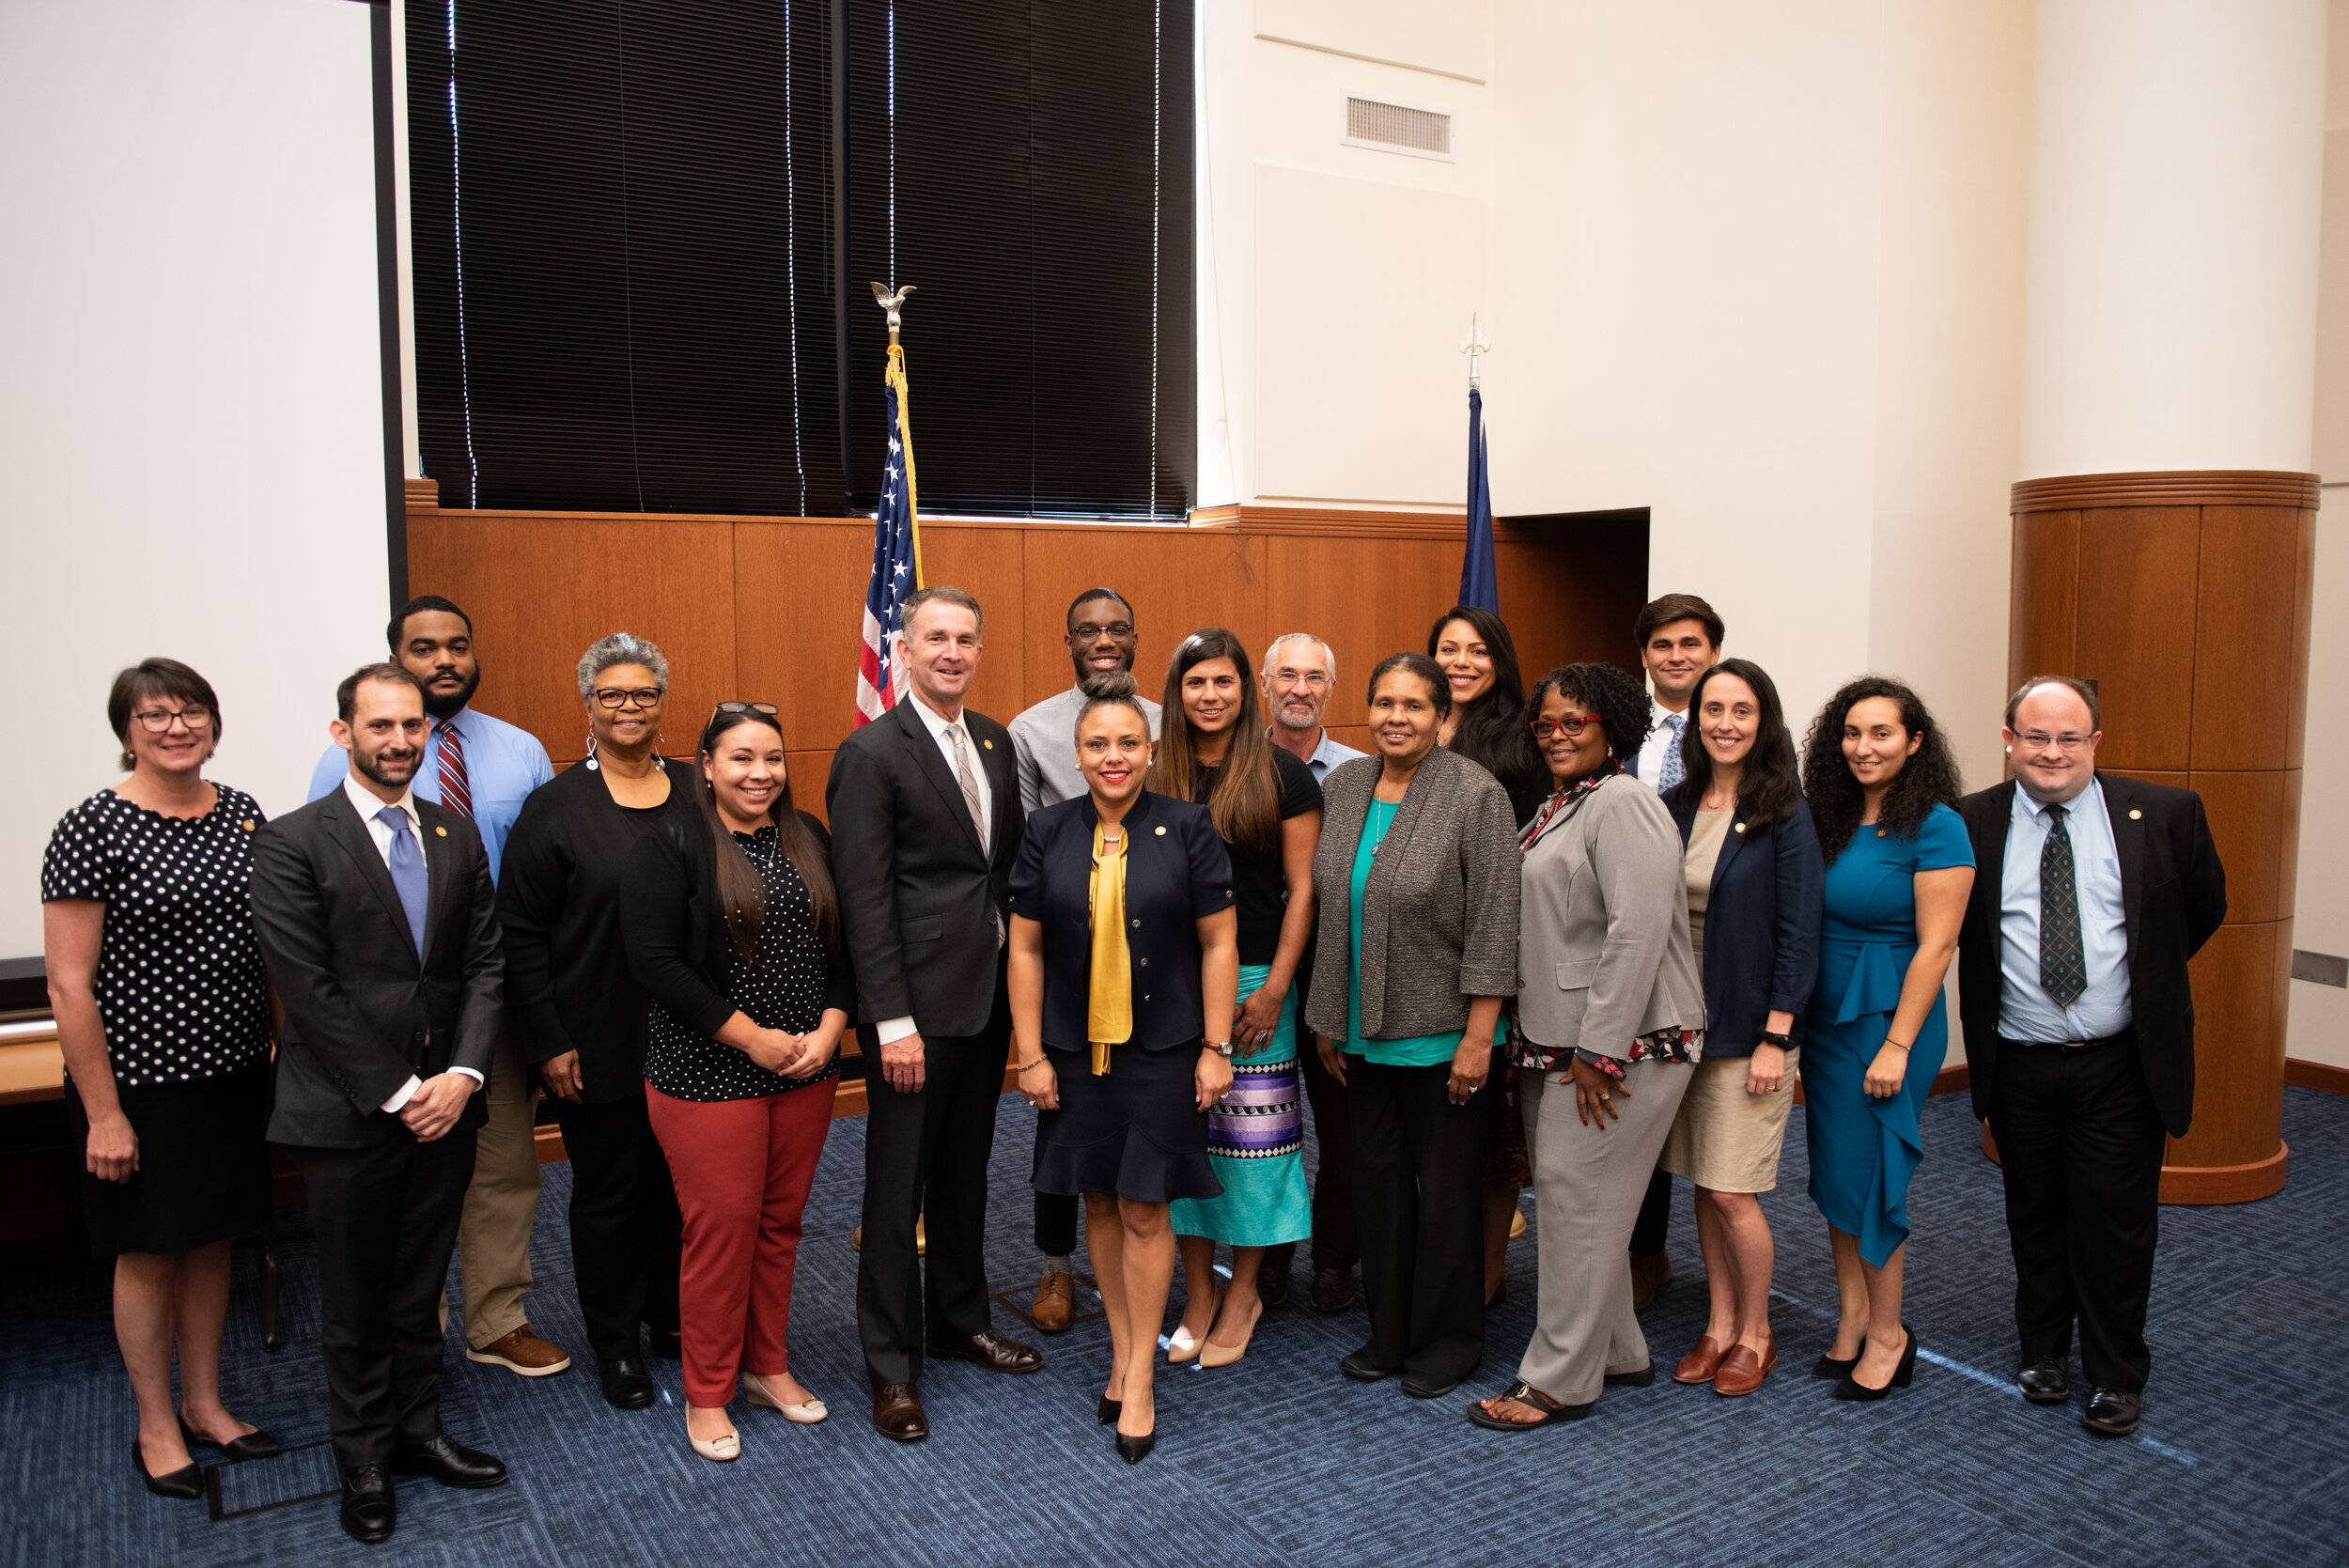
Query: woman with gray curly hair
{"type": "Point", "coordinates": [581, 1016]}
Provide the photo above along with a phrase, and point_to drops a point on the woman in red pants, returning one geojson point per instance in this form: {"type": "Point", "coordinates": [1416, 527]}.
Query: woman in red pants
{"type": "Point", "coordinates": [732, 928]}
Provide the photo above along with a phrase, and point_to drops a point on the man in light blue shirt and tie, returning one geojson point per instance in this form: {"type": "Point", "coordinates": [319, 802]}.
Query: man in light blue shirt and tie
{"type": "Point", "coordinates": [483, 767]}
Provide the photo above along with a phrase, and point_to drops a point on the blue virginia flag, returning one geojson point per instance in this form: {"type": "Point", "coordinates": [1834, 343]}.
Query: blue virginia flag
{"type": "Point", "coordinates": [1479, 586]}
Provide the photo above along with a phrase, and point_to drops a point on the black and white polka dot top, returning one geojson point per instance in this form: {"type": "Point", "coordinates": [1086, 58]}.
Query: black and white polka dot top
{"type": "Point", "coordinates": [784, 989]}
{"type": "Point", "coordinates": [181, 985]}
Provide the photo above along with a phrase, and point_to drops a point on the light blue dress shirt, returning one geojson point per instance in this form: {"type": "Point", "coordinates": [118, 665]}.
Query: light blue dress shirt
{"type": "Point", "coordinates": [1328, 755]}
{"type": "Point", "coordinates": [503, 763]}
{"type": "Point", "coordinates": [2026, 1012]}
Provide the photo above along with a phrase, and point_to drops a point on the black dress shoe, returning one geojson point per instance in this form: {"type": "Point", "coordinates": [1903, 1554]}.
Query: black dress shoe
{"type": "Point", "coordinates": [1420, 1388]}
{"type": "Point", "coordinates": [184, 1484]}
{"type": "Point", "coordinates": [666, 1344]}
{"type": "Point", "coordinates": [897, 1413]}
{"type": "Point", "coordinates": [450, 1462]}
{"type": "Point", "coordinates": [990, 1350]}
{"type": "Point", "coordinates": [1827, 1369]}
{"type": "Point", "coordinates": [2111, 1413]}
{"type": "Point", "coordinates": [368, 1508]}
{"type": "Point", "coordinates": [1333, 1290]}
{"type": "Point", "coordinates": [1853, 1390]}
{"type": "Point", "coordinates": [1106, 1414]}
{"type": "Point", "coordinates": [1639, 1379]}
{"type": "Point", "coordinates": [1361, 1369]}
{"type": "Point", "coordinates": [2044, 1381]}
{"type": "Point", "coordinates": [626, 1385]}
{"type": "Point", "coordinates": [1135, 1449]}
{"type": "Point", "coordinates": [255, 1444]}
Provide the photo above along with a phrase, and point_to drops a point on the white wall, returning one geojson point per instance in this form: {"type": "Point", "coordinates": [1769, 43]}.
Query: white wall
{"type": "Point", "coordinates": [190, 396]}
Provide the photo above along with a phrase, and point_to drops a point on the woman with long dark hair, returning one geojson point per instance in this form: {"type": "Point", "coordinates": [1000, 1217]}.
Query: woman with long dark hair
{"type": "Point", "coordinates": [1750, 860]}
{"type": "Point", "coordinates": [1267, 810]}
{"type": "Point", "coordinates": [1883, 790]}
{"type": "Point", "coordinates": [733, 928]}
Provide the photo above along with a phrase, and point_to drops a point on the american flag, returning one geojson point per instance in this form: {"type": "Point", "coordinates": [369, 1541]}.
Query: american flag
{"type": "Point", "coordinates": [896, 558]}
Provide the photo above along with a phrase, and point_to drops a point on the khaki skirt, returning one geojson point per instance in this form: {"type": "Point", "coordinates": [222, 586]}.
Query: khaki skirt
{"type": "Point", "coordinates": [1724, 1137]}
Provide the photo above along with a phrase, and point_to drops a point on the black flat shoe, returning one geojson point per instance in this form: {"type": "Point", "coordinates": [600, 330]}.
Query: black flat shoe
{"type": "Point", "coordinates": [1108, 1413]}
{"type": "Point", "coordinates": [1853, 1390]}
{"type": "Point", "coordinates": [255, 1444]}
{"type": "Point", "coordinates": [1135, 1449]}
{"type": "Point", "coordinates": [1639, 1379]}
{"type": "Point", "coordinates": [2044, 1381]}
{"type": "Point", "coordinates": [1333, 1290]}
{"type": "Point", "coordinates": [1828, 1369]}
{"type": "Point", "coordinates": [1418, 1388]}
{"type": "Point", "coordinates": [184, 1484]}
{"type": "Point", "coordinates": [450, 1462]}
{"type": "Point", "coordinates": [1361, 1369]}
{"type": "Point", "coordinates": [2111, 1413]}
{"type": "Point", "coordinates": [626, 1385]}
{"type": "Point", "coordinates": [368, 1508]}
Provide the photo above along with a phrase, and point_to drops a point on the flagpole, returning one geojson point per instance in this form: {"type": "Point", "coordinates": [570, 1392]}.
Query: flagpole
{"type": "Point", "coordinates": [892, 300]}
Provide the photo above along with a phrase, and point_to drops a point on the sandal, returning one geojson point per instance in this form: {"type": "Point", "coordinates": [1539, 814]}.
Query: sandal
{"type": "Point", "coordinates": [1552, 1412]}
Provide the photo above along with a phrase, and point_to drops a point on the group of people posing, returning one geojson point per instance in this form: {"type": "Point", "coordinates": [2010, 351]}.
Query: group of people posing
{"type": "Point", "coordinates": [1579, 938]}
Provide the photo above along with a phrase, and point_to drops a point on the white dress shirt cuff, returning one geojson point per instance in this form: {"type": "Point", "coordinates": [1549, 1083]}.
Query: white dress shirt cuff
{"type": "Point", "coordinates": [890, 1031]}
{"type": "Point", "coordinates": [472, 1073]}
{"type": "Point", "coordinates": [407, 1093]}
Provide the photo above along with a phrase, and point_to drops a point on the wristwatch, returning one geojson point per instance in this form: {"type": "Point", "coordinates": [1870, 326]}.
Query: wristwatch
{"type": "Point", "coordinates": [1221, 1047]}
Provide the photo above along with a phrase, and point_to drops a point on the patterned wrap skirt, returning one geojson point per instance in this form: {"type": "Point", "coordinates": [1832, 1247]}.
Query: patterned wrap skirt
{"type": "Point", "coordinates": [1257, 1142]}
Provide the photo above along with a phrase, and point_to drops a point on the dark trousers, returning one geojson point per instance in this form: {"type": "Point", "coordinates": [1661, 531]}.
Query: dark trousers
{"type": "Point", "coordinates": [1419, 1196]}
{"type": "Point", "coordinates": [385, 1218]}
{"type": "Point", "coordinates": [1656, 1213]}
{"type": "Point", "coordinates": [625, 1229]}
{"type": "Point", "coordinates": [1337, 1243]}
{"type": "Point", "coordinates": [925, 1156]}
{"type": "Point", "coordinates": [1055, 1217]}
{"type": "Point", "coordinates": [2080, 1146]}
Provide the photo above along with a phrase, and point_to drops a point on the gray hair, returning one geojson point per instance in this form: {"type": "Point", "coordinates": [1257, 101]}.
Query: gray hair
{"type": "Point", "coordinates": [919, 597]}
{"type": "Point", "coordinates": [1327, 652]}
{"type": "Point", "coordinates": [621, 648]}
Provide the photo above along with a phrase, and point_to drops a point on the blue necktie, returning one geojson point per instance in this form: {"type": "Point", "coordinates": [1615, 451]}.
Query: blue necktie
{"type": "Point", "coordinates": [1674, 770]}
{"type": "Point", "coordinates": [406, 870]}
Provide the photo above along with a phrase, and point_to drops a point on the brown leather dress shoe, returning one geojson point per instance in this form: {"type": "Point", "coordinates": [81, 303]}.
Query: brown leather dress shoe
{"type": "Point", "coordinates": [1741, 1370]}
{"type": "Point", "coordinates": [897, 1413]}
{"type": "Point", "coordinates": [1650, 1273]}
{"type": "Point", "coordinates": [992, 1351]}
{"type": "Point", "coordinates": [523, 1351]}
{"type": "Point", "coordinates": [1055, 1302]}
{"type": "Point", "coordinates": [1701, 1364]}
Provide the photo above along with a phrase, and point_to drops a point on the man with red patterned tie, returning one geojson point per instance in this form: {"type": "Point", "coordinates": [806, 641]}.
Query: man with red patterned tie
{"type": "Point", "coordinates": [483, 768]}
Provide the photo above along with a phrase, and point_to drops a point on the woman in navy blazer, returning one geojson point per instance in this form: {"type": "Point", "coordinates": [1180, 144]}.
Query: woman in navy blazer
{"type": "Point", "coordinates": [1124, 978]}
{"type": "Point", "coordinates": [1756, 891]}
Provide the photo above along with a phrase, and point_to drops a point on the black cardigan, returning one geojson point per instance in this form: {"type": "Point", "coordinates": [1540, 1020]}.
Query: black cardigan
{"type": "Point", "coordinates": [567, 985]}
{"type": "Point", "coordinates": [679, 947]}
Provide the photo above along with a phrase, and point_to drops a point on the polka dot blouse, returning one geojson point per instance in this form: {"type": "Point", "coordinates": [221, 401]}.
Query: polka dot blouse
{"type": "Point", "coordinates": [783, 990]}
{"type": "Point", "coordinates": [181, 986]}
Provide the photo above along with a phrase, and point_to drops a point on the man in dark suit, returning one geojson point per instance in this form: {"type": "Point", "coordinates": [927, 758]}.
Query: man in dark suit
{"type": "Point", "coordinates": [2093, 893]}
{"type": "Point", "coordinates": [377, 918]}
{"type": "Point", "coordinates": [926, 823]}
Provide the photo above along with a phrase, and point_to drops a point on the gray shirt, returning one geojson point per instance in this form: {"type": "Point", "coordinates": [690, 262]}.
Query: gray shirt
{"type": "Point", "coordinates": [1044, 740]}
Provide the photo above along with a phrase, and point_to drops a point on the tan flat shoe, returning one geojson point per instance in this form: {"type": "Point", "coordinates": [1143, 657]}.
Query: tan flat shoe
{"type": "Point", "coordinates": [1214, 1355]}
{"type": "Point", "coordinates": [721, 1451]}
{"type": "Point", "coordinates": [1741, 1370]}
{"type": "Point", "coordinates": [806, 1413]}
{"type": "Point", "coordinates": [1180, 1346]}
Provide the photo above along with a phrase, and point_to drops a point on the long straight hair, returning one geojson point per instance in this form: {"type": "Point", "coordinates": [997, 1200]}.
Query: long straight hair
{"type": "Point", "coordinates": [1768, 788]}
{"type": "Point", "coordinates": [740, 890]}
{"type": "Point", "coordinates": [1491, 730]}
{"type": "Point", "coordinates": [1246, 804]}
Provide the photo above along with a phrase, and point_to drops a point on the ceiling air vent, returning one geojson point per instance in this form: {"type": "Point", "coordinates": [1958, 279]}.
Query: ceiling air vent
{"type": "Point", "coordinates": [1392, 128]}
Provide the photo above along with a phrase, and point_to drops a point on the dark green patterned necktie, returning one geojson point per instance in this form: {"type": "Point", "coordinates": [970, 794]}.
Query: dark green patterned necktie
{"type": "Point", "coordinates": [2062, 966]}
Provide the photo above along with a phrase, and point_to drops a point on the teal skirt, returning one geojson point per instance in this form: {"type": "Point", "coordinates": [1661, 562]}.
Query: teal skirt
{"type": "Point", "coordinates": [1256, 1143]}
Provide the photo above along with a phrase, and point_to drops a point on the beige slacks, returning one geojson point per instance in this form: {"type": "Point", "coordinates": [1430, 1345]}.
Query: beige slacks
{"type": "Point", "coordinates": [502, 1203]}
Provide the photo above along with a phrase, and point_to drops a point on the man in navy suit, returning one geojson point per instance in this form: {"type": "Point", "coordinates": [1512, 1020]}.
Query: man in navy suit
{"type": "Point", "coordinates": [379, 924]}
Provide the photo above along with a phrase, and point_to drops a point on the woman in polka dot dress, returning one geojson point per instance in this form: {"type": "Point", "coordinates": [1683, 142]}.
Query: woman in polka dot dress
{"type": "Point", "coordinates": [162, 1017]}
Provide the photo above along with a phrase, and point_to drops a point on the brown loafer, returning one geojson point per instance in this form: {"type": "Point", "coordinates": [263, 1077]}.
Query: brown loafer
{"type": "Point", "coordinates": [523, 1351]}
{"type": "Point", "coordinates": [1741, 1370]}
{"type": "Point", "coordinates": [1055, 1302]}
{"type": "Point", "coordinates": [897, 1413]}
{"type": "Point", "coordinates": [1701, 1364]}
{"type": "Point", "coordinates": [990, 1350]}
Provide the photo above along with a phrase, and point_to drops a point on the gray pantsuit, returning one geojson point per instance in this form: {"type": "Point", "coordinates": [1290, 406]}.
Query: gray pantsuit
{"type": "Point", "coordinates": [1588, 1186]}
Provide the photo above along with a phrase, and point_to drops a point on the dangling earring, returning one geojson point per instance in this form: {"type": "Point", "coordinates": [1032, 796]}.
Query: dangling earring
{"type": "Point", "coordinates": [593, 767]}
{"type": "Point", "coordinates": [659, 762]}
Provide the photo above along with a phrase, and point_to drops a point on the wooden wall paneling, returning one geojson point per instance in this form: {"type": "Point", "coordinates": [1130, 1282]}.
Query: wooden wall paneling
{"type": "Point", "coordinates": [1178, 580]}
{"type": "Point", "coordinates": [2244, 623]}
{"type": "Point", "coordinates": [2046, 590]}
{"type": "Point", "coordinates": [988, 563]}
{"type": "Point", "coordinates": [1567, 604]}
{"type": "Point", "coordinates": [541, 589]}
{"type": "Point", "coordinates": [2287, 850]}
{"type": "Point", "coordinates": [800, 622]}
{"type": "Point", "coordinates": [2136, 621]}
{"type": "Point", "coordinates": [1365, 599]}
{"type": "Point", "coordinates": [2233, 1152]}
{"type": "Point", "coordinates": [2303, 617]}
{"type": "Point", "coordinates": [810, 771]}
{"type": "Point", "coordinates": [2245, 811]}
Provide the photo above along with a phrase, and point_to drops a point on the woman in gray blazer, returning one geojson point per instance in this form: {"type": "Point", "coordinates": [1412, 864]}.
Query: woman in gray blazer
{"type": "Point", "coordinates": [1612, 1012]}
{"type": "Point", "coordinates": [1416, 849]}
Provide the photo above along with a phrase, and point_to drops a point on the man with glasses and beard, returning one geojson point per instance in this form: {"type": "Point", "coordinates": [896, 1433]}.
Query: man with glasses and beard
{"type": "Point", "coordinates": [1102, 638]}
{"type": "Point", "coordinates": [482, 768]}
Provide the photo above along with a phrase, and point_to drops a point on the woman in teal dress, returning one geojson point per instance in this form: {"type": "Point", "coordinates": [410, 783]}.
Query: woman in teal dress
{"type": "Point", "coordinates": [1882, 786]}
{"type": "Point", "coordinates": [1268, 808]}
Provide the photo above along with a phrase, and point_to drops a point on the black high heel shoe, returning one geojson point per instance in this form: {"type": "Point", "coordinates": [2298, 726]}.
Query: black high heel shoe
{"type": "Point", "coordinates": [255, 1444]}
{"type": "Point", "coordinates": [1136, 1449]}
{"type": "Point", "coordinates": [1108, 1413]}
{"type": "Point", "coordinates": [1826, 1369]}
{"type": "Point", "coordinates": [1850, 1389]}
{"type": "Point", "coordinates": [184, 1484]}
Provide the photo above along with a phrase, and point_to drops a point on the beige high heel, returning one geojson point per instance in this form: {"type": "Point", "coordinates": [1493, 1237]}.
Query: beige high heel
{"type": "Point", "coordinates": [804, 1414]}
{"type": "Point", "coordinates": [1214, 1355]}
{"type": "Point", "coordinates": [1180, 1346]}
{"type": "Point", "coordinates": [719, 1450]}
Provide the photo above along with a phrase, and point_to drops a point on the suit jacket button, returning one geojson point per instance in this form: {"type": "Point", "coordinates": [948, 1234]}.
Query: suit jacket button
{"type": "Point", "coordinates": [1145, 963]}
{"type": "Point", "coordinates": [1136, 925]}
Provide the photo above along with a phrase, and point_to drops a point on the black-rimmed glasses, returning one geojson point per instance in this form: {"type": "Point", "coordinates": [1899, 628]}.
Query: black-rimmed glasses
{"type": "Point", "coordinates": [643, 696]}
{"type": "Point", "coordinates": [1116, 631]}
{"type": "Point", "coordinates": [157, 720]}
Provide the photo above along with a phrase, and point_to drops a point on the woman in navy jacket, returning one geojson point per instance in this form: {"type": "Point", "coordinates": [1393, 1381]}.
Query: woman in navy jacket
{"type": "Point", "coordinates": [1756, 891]}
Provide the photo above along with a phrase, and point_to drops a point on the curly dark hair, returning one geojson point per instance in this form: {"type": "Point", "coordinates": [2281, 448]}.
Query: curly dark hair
{"type": "Point", "coordinates": [1767, 787]}
{"type": "Point", "coordinates": [1617, 701]}
{"type": "Point", "coordinates": [1927, 779]}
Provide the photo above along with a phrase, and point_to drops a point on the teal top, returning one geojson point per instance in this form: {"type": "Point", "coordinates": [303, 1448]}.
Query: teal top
{"type": "Point", "coordinates": [1418, 1050]}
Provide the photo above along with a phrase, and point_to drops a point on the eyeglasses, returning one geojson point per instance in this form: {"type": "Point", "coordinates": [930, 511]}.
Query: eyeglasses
{"type": "Point", "coordinates": [157, 720]}
{"type": "Point", "coordinates": [643, 697]}
{"type": "Point", "coordinates": [1544, 728]}
{"type": "Point", "coordinates": [2035, 741]}
{"type": "Point", "coordinates": [1116, 631]}
{"type": "Point", "coordinates": [766, 708]}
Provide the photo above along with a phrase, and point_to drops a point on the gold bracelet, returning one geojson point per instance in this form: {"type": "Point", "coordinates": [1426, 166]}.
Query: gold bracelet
{"type": "Point", "coordinates": [1037, 1063]}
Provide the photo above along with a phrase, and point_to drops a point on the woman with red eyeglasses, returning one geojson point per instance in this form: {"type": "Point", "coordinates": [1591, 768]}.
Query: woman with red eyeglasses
{"type": "Point", "coordinates": [1610, 1022]}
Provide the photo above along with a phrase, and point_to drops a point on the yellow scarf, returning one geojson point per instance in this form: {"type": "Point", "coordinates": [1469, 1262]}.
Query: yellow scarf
{"type": "Point", "coordinates": [1110, 994]}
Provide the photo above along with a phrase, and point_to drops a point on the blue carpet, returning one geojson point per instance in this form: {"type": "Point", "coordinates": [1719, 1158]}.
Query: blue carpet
{"type": "Point", "coordinates": [2241, 1459]}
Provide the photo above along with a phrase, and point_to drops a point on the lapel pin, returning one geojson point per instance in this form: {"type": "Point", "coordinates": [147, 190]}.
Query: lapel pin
{"type": "Point", "coordinates": [1161, 831]}
{"type": "Point", "coordinates": [1739, 825]}
{"type": "Point", "coordinates": [989, 745]}
{"type": "Point", "coordinates": [443, 831]}
{"type": "Point", "coordinates": [2134, 815]}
